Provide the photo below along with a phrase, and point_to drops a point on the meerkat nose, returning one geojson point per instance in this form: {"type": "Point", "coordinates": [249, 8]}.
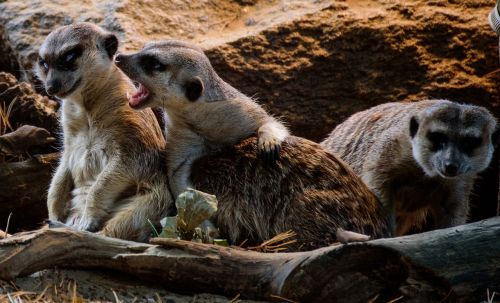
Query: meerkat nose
{"type": "Point", "coordinates": [53, 87]}
{"type": "Point", "coordinates": [450, 168]}
{"type": "Point", "coordinates": [118, 57]}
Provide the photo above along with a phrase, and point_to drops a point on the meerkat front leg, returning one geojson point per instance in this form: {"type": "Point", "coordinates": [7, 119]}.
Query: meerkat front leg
{"type": "Point", "coordinates": [181, 157]}
{"type": "Point", "coordinates": [109, 184]}
{"type": "Point", "coordinates": [271, 134]}
{"type": "Point", "coordinates": [455, 209]}
{"type": "Point", "coordinates": [59, 193]}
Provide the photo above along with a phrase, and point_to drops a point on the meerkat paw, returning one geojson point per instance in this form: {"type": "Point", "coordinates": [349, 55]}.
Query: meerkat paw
{"type": "Point", "coordinates": [88, 223]}
{"type": "Point", "coordinates": [73, 220]}
{"type": "Point", "coordinates": [84, 222]}
{"type": "Point", "coordinates": [269, 148]}
{"type": "Point", "coordinates": [54, 224]}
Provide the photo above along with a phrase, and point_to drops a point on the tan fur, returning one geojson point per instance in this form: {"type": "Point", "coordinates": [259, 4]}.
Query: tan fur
{"type": "Point", "coordinates": [110, 174]}
{"type": "Point", "coordinates": [407, 173]}
{"type": "Point", "coordinates": [216, 117]}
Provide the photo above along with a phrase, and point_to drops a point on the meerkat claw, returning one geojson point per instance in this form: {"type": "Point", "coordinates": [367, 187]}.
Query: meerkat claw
{"type": "Point", "coordinates": [270, 152]}
{"type": "Point", "coordinates": [55, 224]}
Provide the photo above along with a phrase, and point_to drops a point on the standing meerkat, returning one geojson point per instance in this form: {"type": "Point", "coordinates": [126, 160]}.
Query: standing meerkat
{"type": "Point", "coordinates": [109, 177]}
{"type": "Point", "coordinates": [419, 158]}
{"type": "Point", "coordinates": [205, 113]}
{"type": "Point", "coordinates": [306, 190]}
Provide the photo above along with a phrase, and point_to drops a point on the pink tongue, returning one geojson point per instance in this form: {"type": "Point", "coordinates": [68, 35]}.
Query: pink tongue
{"type": "Point", "coordinates": [138, 96]}
{"type": "Point", "coordinates": [134, 99]}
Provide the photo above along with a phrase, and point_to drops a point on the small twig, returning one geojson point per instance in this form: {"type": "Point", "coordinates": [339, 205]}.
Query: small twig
{"type": "Point", "coordinates": [117, 300]}
{"type": "Point", "coordinates": [372, 300]}
{"type": "Point", "coordinates": [157, 234]}
{"type": "Point", "coordinates": [40, 296]}
{"type": "Point", "coordinates": [446, 297]}
{"type": "Point", "coordinates": [277, 243]}
{"type": "Point", "coordinates": [235, 299]}
{"type": "Point", "coordinates": [490, 299]}
{"type": "Point", "coordinates": [492, 73]}
{"type": "Point", "coordinates": [243, 243]}
{"type": "Point", "coordinates": [7, 227]}
{"type": "Point", "coordinates": [395, 300]}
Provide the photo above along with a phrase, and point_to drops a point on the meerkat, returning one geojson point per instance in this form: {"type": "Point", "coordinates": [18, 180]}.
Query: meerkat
{"type": "Point", "coordinates": [309, 191]}
{"type": "Point", "coordinates": [205, 113]}
{"type": "Point", "coordinates": [109, 178]}
{"type": "Point", "coordinates": [306, 189]}
{"type": "Point", "coordinates": [419, 158]}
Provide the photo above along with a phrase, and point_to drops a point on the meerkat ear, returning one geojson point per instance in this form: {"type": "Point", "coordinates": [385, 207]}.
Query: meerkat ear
{"type": "Point", "coordinates": [110, 44]}
{"type": "Point", "coordinates": [193, 88]}
{"type": "Point", "coordinates": [413, 126]}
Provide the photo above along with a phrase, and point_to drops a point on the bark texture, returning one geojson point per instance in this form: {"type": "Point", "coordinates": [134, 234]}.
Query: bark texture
{"type": "Point", "coordinates": [411, 266]}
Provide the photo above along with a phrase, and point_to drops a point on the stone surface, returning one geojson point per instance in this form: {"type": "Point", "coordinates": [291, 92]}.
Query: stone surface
{"type": "Point", "coordinates": [319, 69]}
{"type": "Point", "coordinates": [312, 62]}
{"type": "Point", "coordinates": [24, 24]}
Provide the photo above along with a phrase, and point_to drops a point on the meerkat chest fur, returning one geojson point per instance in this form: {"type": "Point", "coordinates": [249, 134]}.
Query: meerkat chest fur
{"type": "Point", "coordinates": [86, 147]}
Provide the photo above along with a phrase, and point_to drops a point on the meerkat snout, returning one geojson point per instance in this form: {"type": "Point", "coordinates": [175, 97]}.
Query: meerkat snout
{"type": "Point", "coordinates": [72, 56]}
{"type": "Point", "coordinates": [451, 140]}
{"type": "Point", "coordinates": [167, 74]}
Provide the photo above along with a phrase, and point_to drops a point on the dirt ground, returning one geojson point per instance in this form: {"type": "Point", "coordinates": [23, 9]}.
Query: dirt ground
{"type": "Point", "coordinates": [78, 286]}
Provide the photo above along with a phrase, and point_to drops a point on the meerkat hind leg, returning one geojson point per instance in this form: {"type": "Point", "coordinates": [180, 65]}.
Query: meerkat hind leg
{"type": "Point", "coordinates": [130, 222]}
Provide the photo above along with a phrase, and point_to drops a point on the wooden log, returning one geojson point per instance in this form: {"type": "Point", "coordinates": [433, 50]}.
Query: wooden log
{"type": "Point", "coordinates": [468, 256]}
{"type": "Point", "coordinates": [454, 264]}
{"type": "Point", "coordinates": [25, 139]}
{"type": "Point", "coordinates": [23, 191]}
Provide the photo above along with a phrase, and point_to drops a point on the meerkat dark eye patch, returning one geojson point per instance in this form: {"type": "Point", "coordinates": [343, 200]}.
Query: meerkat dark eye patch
{"type": "Point", "coordinates": [43, 64]}
{"type": "Point", "coordinates": [67, 61]}
{"type": "Point", "coordinates": [193, 89]}
{"type": "Point", "coordinates": [413, 126]}
{"type": "Point", "coordinates": [469, 144]}
{"type": "Point", "coordinates": [438, 140]}
{"type": "Point", "coordinates": [151, 64]}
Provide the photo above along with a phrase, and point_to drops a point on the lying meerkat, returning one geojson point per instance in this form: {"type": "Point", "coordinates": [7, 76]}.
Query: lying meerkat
{"type": "Point", "coordinates": [419, 158]}
{"type": "Point", "coordinates": [310, 191]}
{"type": "Point", "coordinates": [205, 113]}
{"type": "Point", "coordinates": [109, 175]}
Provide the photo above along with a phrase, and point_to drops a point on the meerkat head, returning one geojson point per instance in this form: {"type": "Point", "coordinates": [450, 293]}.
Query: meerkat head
{"type": "Point", "coordinates": [73, 57]}
{"type": "Point", "coordinates": [169, 74]}
{"type": "Point", "coordinates": [450, 140]}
